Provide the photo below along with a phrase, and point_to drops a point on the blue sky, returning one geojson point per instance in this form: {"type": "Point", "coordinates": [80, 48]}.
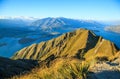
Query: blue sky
{"type": "Point", "coordinates": [78, 9]}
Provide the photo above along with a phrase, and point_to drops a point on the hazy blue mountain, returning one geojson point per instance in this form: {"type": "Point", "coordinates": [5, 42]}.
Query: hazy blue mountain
{"type": "Point", "coordinates": [63, 24]}
{"type": "Point", "coordinates": [113, 28]}
{"type": "Point", "coordinates": [12, 23]}
{"type": "Point", "coordinates": [16, 21]}
{"type": "Point", "coordinates": [49, 24]}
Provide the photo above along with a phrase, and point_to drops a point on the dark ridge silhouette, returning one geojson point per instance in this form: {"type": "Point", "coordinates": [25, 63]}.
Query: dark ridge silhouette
{"type": "Point", "coordinates": [9, 68]}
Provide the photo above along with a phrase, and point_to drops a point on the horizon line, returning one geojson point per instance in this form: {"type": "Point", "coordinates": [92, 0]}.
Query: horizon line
{"type": "Point", "coordinates": [33, 17]}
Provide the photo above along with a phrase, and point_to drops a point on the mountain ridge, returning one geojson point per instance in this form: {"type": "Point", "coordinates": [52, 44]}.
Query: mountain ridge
{"type": "Point", "coordinates": [71, 44]}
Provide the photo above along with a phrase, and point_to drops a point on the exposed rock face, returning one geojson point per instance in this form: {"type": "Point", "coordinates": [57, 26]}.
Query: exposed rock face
{"type": "Point", "coordinates": [80, 43]}
{"type": "Point", "coordinates": [105, 70]}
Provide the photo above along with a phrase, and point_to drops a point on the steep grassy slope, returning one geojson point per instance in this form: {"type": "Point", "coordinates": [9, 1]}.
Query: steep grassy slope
{"type": "Point", "coordinates": [80, 43]}
{"type": "Point", "coordinates": [60, 68]}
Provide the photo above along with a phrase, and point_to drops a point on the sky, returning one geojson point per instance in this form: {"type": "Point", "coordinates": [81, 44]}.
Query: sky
{"type": "Point", "coordinates": [77, 9]}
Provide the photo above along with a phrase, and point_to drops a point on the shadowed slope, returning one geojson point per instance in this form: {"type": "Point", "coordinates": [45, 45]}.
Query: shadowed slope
{"type": "Point", "coordinates": [9, 68]}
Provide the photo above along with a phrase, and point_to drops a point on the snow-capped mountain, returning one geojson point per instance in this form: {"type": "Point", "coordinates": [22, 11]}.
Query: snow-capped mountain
{"type": "Point", "coordinates": [52, 24]}
{"type": "Point", "coordinates": [46, 23]}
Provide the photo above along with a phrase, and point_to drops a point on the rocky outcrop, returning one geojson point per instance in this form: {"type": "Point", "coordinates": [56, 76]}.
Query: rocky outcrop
{"type": "Point", "coordinates": [105, 70]}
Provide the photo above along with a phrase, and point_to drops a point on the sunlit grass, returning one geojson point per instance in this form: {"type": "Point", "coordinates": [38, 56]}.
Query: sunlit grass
{"type": "Point", "coordinates": [69, 70]}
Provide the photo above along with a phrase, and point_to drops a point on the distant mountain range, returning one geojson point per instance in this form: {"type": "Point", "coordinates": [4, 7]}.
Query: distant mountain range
{"type": "Point", "coordinates": [61, 24]}
{"type": "Point", "coordinates": [12, 23]}
{"type": "Point", "coordinates": [48, 24]}
{"type": "Point", "coordinates": [18, 17]}
{"type": "Point", "coordinates": [15, 21]}
{"type": "Point", "coordinates": [113, 28]}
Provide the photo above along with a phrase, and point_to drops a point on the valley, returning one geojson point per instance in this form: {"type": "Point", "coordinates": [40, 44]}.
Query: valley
{"type": "Point", "coordinates": [14, 38]}
{"type": "Point", "coordinates": [79, 54]}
